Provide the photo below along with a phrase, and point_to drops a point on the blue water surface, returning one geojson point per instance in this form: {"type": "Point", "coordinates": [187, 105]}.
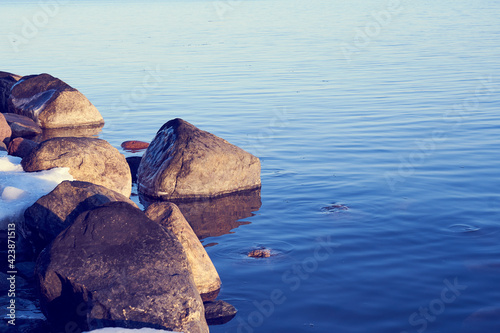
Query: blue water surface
{"type": "Point", "coordinates": [377, 124]}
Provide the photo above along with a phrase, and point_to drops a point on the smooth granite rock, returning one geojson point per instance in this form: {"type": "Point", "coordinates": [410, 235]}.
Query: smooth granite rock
{"type": "Point", "coordinates": [52, 103]}
{"type": "Point", "coordinates": [54, 212]}
{"type": "Point", "coordinates": [114, 267]}
{"type": "Point", "coordinates": [204, 273]}
{"type": "Point", "coordinates": [185, 162]}
{"type": "Point", "coordinates": [91, 160]}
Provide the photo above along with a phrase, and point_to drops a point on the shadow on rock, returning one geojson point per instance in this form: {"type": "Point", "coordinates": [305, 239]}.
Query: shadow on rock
{"type": "Point", "coordinates": [212, 217]}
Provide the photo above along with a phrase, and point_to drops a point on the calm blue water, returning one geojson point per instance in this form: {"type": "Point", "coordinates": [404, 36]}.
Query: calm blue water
{"type": "Point", "coordinates": [390, 108]}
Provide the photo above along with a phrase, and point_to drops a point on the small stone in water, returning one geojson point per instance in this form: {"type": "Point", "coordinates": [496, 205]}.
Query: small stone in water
{"type": "Point", "coordinates": [134, 146]}
{"type": "Point", "coordinates": [260, 253]}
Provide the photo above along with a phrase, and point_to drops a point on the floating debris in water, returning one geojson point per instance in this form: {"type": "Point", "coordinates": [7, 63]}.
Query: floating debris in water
{"type": "Point", "coordinates": [334, 207]}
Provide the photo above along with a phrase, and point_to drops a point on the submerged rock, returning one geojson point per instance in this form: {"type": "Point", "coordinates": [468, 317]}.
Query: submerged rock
{"type": "Point", "coordinates": [114, 267]}
{"type": "Point", "coordinates": [219, 312]}
{"type": "Point", "coordinates": [89, 159]}
{"type": "Point", "coordinates": [22, 126]}
{"type": "Point", "coordinates": [54, 212]}
{"type": "Point", "coordinates": [185, 162]}
{"type": "Point", "coordinates": [260, 253]}
{"type": "Point", "coordinates": [52, 103]}
{"type": "Point", "coordinates": [205, 275]}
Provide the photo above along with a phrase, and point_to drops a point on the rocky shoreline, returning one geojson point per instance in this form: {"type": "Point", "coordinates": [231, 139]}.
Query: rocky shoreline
{"type": "Point", "coordinates": [84, 253]}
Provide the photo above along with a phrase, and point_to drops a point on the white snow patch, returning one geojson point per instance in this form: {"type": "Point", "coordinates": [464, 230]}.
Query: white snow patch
{"type": "Point", "coordinates": [19, 190]}
{"type": "Point", "coordinates": [127, 330]}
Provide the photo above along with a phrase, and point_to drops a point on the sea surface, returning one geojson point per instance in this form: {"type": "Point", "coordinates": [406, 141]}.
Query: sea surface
{"type": "Point", "coordinates": [378, 128]}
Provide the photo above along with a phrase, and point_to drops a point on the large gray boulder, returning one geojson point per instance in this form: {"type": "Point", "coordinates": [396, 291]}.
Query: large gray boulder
{"type": "Point", "coordinates": [205, 275]}
{"type": "Point", "coordinates": [52, 103]}
{"type": "Point", "coordinates": [7, 80]}
{"type": "Point", "coordinates": [185, 162]}
{"type": "Point", "coordinates": [91, 160]}
{"type": "Point", "coordinates": [114, 267]}
{"type": "Point", "coordinates": [54, 212]}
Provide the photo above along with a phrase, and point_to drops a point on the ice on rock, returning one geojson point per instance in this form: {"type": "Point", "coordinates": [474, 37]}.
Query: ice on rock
{"type": "Point", "coordinates": [19, 189]}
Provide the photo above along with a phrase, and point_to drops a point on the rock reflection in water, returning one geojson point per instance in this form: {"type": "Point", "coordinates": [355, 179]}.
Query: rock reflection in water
{"type": "Point", "coordinates": [85, 131]}
{"type": "Point", "coordinates": [216, 216]}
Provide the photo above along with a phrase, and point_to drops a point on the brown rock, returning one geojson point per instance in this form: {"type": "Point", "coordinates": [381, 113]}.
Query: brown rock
{"type": "Point", "coordinates": [134, 146]}
{"type": "Point", "coordinates": [205, 275]}
{"type": "Point", "coordinates": [114, 267]}
{"type": "Point", "coordinates": [185, 162]}
{"type": "Point", "coordinates": [54, 212]}
{"type": "Point", "coordinates": [7, 80]}
{"type": "Point", "coordinates": [5, 130]}
{"type": "Point", "coordinates": [91, 160]}
{"type": "Point", "coordinates": [51, 103]}
{"type": "Point", "coordinates": [22, 126]}
{"type": "Point", "coordinates": [21, 147]}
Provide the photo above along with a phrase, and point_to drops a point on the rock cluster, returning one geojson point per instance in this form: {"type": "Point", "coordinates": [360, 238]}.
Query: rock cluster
{"type": "Point", "coordinates": [100, 260]}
